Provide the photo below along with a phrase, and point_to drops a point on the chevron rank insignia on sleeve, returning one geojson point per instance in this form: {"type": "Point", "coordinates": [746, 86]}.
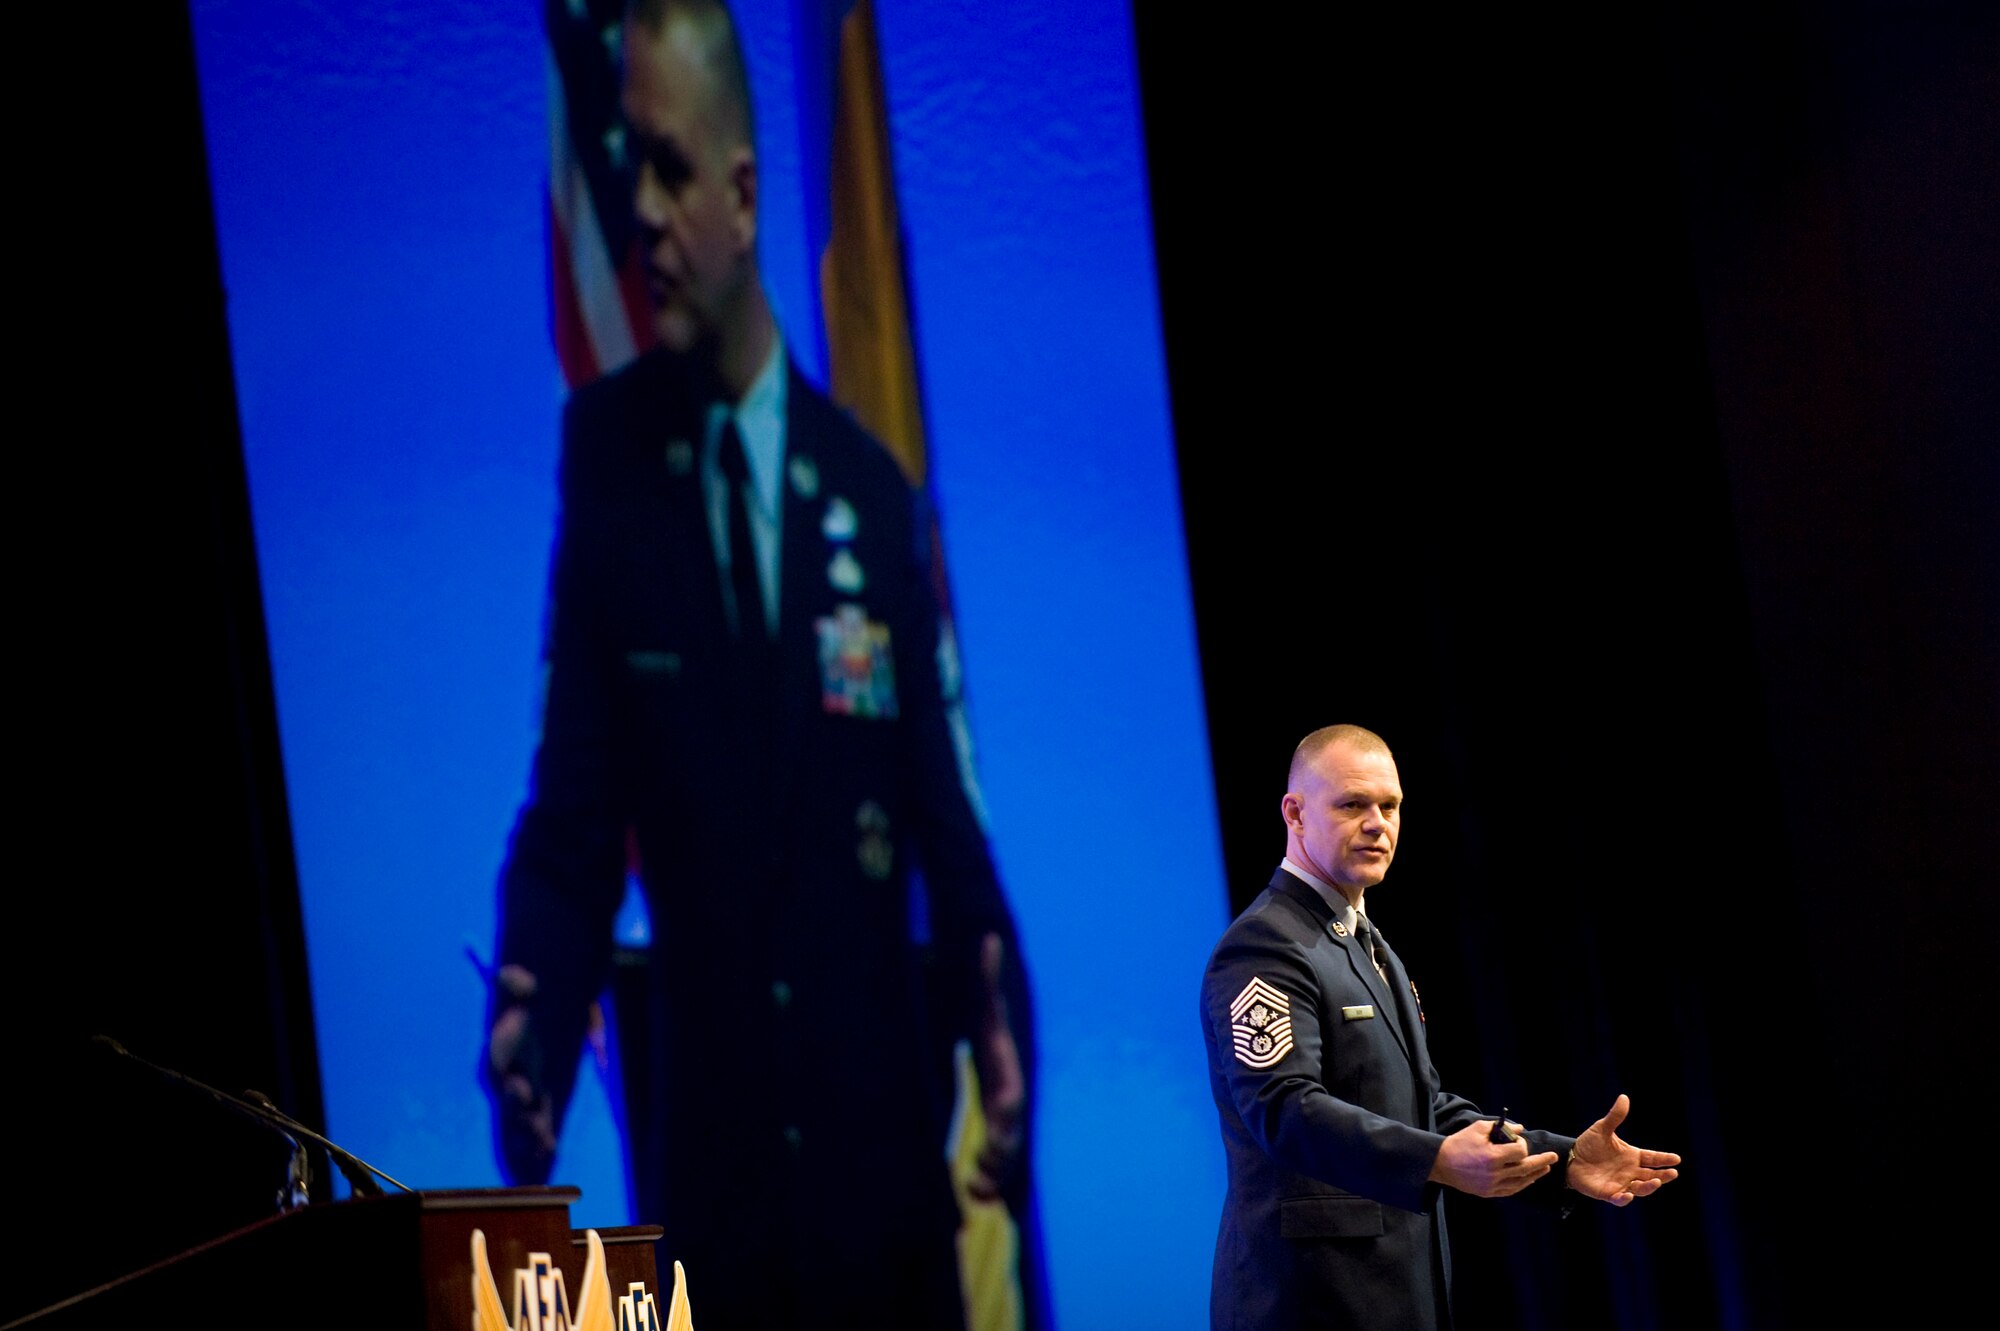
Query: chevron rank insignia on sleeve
{"type": "Point", "coordinates": [1260, 1020]}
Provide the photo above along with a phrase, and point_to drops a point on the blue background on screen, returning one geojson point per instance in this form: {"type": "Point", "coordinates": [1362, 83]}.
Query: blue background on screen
{"type": "Point", "coordinates": [378, 175]}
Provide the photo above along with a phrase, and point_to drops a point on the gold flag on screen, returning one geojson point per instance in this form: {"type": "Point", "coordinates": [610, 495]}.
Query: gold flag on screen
{"type": "Point", "coordinates": [872, 372]}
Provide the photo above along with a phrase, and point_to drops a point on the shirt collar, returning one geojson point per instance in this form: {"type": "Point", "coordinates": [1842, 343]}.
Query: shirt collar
{"type": "Point", "coordinates": [1336, 901]}
{"type": "Point", "coordinates": [760, 424]}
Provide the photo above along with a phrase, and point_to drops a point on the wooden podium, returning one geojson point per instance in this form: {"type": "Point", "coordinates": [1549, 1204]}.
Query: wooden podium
{"type": "Point", "coordinates": [403, 1260]}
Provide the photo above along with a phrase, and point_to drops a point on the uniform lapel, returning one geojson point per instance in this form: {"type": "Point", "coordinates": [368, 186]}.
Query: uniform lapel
{"type": "Point", "coordinates": [1404, 1000]}
{"type": "Point", "coordinates": [1357, 958]}
{"type": "Point", "coordinates": [801, 571]}
{"type": "Point", "coordinates": [668, 418]}
{"type": "Point", "coordinates": [1385, 1003]}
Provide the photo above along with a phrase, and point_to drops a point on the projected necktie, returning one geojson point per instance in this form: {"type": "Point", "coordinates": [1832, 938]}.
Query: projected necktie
{"type": "Point", "coordinates": [746, 588]}
{"type": "Point", "coordinates": [755, 655]}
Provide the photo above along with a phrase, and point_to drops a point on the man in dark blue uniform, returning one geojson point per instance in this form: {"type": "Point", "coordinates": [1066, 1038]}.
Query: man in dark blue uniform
{"type": "Point", "coordinates": [748, 686]}
{"type": "Point", "coordinates": [1338, 1135]}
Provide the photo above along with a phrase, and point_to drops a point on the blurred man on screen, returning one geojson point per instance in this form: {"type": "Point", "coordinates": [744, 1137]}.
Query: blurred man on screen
{"type": "Point", "coordinates": [744, 675]}
{"type": "Point", "coordinates": [1338, 1136]}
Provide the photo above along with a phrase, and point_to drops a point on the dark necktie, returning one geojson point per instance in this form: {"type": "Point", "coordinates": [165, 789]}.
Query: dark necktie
{"type": "Point", "coordinates": [746, 588]}
{"type": "Point", "coordinates": [1406, 1005]}
{"type": "Point", "coordinates": [1366, 934]}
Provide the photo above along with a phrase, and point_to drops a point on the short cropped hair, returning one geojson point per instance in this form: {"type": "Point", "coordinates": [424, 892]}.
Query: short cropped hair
{"type": "Point", "coordinates": [721, 54]}
{"type": "Point", "coordinates": [1312, 746]}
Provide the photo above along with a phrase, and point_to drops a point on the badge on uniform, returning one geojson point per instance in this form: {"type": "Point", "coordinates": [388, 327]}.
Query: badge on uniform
{"type": "Point", "coordinates": [840, 522]}
{"type": "Point", "coordinates": [1260, 1022]}
{"type": "Point", "coordinates": [1359, 1012]}
{"type": "Point", "coordinates": [857, 673]}
{"type": "Point", "coordinates": [845, 574]}
{"type": "Point", "coordinates": [875, 851]}
{"type": "Point", "coordinates": [805, 476]}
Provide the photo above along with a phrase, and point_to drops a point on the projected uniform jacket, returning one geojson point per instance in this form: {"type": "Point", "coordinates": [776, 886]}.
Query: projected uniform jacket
{"type": "Point", "coordinates": [792, 1030]}
{"type": "Point", "coordinates": [1331, 1118]}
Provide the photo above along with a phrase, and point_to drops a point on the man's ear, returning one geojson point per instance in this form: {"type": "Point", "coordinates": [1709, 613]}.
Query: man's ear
{"type": "Point", "coordinates": [1291, 806]}
{"type": "Point", "coordinates": [743, 195]}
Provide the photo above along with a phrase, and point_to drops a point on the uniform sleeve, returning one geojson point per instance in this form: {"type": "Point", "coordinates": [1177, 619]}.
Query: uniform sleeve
{"type": "Point", "coordinates": [1552, 1189]}
{"type": "Point", "coordinates": [1454, 1112]}
{"type": "Point", "coordinates": [963, 890]}
{"type": "Point", "coordinates": [1263, 1009]}
{"type": "Point", "coordinates": [563, 877]}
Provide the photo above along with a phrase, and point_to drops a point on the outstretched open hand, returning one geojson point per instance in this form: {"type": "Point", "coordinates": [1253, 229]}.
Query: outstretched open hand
{"type": "Point", "coordinates": [1606, 1167]}
{"type": "Point", "coordinates": [1003, 1089]}
{"type": "Point", "coordinates": [524, 1116]}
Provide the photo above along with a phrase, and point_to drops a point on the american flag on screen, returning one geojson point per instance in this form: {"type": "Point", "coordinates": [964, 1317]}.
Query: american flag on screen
{"type": "Point", "coordinates": [597, 293]}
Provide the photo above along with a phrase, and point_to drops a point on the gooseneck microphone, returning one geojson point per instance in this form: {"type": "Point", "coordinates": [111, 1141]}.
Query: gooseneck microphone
{"type": "Point", "coordinates": [360, 1175]}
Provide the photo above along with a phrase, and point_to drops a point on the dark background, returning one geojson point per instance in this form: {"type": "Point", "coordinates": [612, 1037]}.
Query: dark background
{"type": "Point", "coordinates": [1624, 427]}
{"type": "Point", "coordinates": [1601, 408]}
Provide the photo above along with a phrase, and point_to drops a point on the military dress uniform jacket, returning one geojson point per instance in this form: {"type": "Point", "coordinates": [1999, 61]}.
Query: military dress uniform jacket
{"type": "Point", "coordinates": [1332, 1116]}
{"type": "Point", "coordinates": [794, 1017]}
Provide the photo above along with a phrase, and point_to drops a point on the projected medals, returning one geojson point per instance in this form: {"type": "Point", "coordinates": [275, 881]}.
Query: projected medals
{"type": "Point", "coordinates": [857, 673]}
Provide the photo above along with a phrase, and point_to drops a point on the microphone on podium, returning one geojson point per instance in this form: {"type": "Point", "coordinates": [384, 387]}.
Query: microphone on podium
{"type": "Point", "coordinates": [360, 1175]}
